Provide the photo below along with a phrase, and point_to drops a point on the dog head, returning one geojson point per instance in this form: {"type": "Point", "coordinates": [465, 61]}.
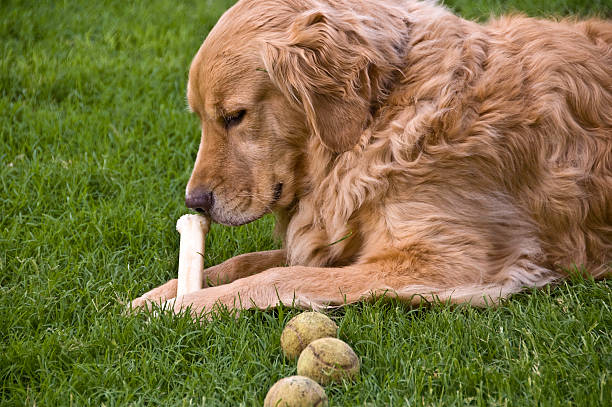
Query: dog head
{"type": "Point", "coordinates": [271, 77]}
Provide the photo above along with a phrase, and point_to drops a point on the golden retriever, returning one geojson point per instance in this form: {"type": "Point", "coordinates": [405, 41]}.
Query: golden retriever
{"type": "Point", "coordinates": [404, 151]}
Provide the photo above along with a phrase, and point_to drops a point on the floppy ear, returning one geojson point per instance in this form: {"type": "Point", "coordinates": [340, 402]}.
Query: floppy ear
{"type": "Point", "coordinates": [324, 66]}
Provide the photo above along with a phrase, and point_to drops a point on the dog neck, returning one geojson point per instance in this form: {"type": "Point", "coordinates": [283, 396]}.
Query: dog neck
{"type": "Point", "coordinates": [335, 186]}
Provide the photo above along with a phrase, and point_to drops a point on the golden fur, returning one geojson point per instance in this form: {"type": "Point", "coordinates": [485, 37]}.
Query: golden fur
{"type": "Point", "coordinates": [420, 155]}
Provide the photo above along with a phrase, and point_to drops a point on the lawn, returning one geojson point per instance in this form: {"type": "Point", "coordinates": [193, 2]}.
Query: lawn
{"type": "Point", "coordinates": [96, 148]}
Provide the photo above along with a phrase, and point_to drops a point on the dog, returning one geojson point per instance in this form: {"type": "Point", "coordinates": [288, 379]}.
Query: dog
{"type": "Point", "coordinates": [404, 151]}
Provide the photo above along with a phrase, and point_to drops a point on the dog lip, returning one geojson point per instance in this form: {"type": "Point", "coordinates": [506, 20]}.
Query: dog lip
{"type": "Point", "coordinates": [236, 222]}
{"type": "Point", "coordinates": [278, 190]}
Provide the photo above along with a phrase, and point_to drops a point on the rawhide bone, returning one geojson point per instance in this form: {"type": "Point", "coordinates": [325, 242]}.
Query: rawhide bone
{"type": "Point", "coordinates": [193, 230]}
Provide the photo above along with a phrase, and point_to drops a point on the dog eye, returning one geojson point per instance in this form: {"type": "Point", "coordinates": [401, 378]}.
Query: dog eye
{"type": "Point", "coordinates": [234, 119]}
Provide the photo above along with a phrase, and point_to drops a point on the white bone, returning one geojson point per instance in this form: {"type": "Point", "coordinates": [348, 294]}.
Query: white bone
{"type": "Point", "coordinates": [193, 230]}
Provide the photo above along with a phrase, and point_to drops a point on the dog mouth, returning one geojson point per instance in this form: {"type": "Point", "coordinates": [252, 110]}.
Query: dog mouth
{"type": "Point", "coordinates": [241, 220]}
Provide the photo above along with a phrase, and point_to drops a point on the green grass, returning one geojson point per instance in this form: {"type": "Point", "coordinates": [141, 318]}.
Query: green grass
{"type": "Point", "coordinates": [96, 148]}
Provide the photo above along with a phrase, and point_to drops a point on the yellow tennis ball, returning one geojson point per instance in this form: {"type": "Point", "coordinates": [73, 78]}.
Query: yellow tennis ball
{"type": "Point", "coordinates": [296, 391]}
{"type": "Point", "coordinates": [303, 329]}
{"type": "Point", "coordinates": [328, 360]}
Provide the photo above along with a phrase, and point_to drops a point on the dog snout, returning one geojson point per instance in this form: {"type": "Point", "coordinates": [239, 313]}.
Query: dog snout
{"type": "Point", "coordinates": [201, 200]}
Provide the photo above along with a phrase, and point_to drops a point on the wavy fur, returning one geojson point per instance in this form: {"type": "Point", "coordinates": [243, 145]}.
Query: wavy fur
{"type": "Point", "coordinates": [464, 161]}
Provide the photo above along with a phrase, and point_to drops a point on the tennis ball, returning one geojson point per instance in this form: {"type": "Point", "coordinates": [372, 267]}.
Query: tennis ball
{"type": "Point", "coordinates": [296, 391]}
{"type": "Point", "coordinates": [303, 329]}
{"type": "Point", "coordinates": [328, 360]}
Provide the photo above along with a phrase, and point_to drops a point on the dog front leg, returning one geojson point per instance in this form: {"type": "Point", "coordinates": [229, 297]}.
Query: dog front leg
{"type": "Point", "coordinates": [308, 287]}
{"type": "Point", "coordinates": [230, 270]}
{"type": "Point", "coordinates": [157, 295]}
{"type": "Point", "coordinates": [318, 287]}
{"type": "Point", "coordinates": [243, 265]}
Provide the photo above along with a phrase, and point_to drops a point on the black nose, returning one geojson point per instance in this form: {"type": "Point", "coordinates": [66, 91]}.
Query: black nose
{"type": "Point", "coordinates": [201, 200]}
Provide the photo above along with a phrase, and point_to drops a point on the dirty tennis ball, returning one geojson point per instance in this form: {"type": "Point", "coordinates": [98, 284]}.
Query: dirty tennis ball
{"type": "Point", "coordinates": [303, 329]}
{"type": "Point", "coordinates": [328, 360]}
{"type": "Point", "coordinates": [296, 391]}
